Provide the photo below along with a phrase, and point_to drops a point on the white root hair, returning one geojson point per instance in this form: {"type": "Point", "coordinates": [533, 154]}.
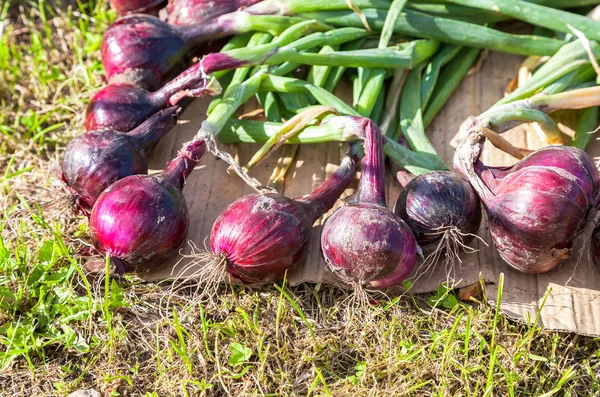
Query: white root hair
{"type": "Point", "coordinates": [447, 251]}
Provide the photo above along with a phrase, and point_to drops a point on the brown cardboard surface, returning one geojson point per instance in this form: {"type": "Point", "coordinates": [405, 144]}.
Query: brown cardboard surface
{"type": "Point", "coordinates": [571, 293]}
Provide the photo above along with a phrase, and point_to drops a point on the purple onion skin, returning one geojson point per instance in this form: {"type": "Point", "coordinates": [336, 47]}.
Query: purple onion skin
{"type": "Point", "coordinates": [537, 207]}
{"type": "Point", "coordinates": [189, 12]}
{"type": "Point", "coordinates": [95, 160]}
{"type": "Point", "coordinates": [595, 246]}
{"type": "Point", "coordinates": [365, 243]}
{"type": "Point", "coordinates": [436, 201]}
{"type": "Point", "coordinates": [137, 6]}
{"type": "Point", "coordinates": [142, 220]}
{"type": "Point", "coordinates": [141, 50]}
{"type": "Point", "coordinates": [262, 236]}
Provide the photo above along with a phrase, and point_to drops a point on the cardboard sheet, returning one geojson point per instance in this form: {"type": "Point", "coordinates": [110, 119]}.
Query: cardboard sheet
{"type": "Point", "coordinates": [571, 293]}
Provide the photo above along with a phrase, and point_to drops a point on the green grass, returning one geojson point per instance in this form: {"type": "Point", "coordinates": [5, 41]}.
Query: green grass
{"type": "Point", "coordinates": [62, 329]}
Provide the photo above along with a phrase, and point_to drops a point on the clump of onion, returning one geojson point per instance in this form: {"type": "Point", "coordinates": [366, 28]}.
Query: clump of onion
{"type": "Point", "coordinates": [123, 106]}
{"type": "Point", "coordinates": [142, 220]}
{"type": "Point", "coordinates": [137, 6]}
{"type": "Point", "coordinates": [437, 203]}
{"type": "Point", "coordinates": [537, 207]}
{"type": "Point", "coordinates": [189, 12]}
{"type": "Point", "coordinates": [261, 236]}
{"type": "Point", "coordinates": [364, 243]}
{"type": "Point", "coordinates": [96, 159]}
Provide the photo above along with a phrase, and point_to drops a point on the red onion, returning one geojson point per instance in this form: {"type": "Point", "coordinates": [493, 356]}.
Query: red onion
{"type": "Point", "coordinates": [142, 220]}
{"type": "Point", "coordinates": [134, 6]}
{"type": "Point", "coordinates": [438, 202]}
{"type": "Point", "coordinates": [189, 12]}
{"type": "Point", "coordinates": [260, 236]}
{"type": "Point", "coordinates": [535, 208]}
{"type": "Point", "coordinates": [95, 160]}
{"type": "Point", "coordinates": [365, 243]}
{"type": "Point", "coordinates": [143, 50]}
{"type": "Point", "coordinates": [122, 107]}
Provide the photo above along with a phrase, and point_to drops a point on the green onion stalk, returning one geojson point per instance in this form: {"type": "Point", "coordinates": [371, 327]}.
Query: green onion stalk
{"type": "Point", "coordinates": [373, 91]}
{"type": "Point", "coordinates": [294, 7]}
{"type": "Point", "coordinates": [411, 117]}
{"type": "Point", "coordinates": [570, 68]}
{"type": "Point", "coordinates": [365, 103]}
{"type": "Point", "coordinates": [434, 83]}
{"type": "Point", "coordinates": [327, 103]}
{"type": "Point", "coordinates": [413, 23]}
{"type": "Point", "coordinates": [439, 80]}
{"type": "Point", "coordinates": [237, 41]}
{"type": "Point", "coordinates": [586, 126]}
{"type": "Point", "coordinates": [290, 46]}
{"type": "Point", "coordinates": [334, 129]}
{"type": "Point", "coordinates": [262, 132]}
{"type": "Point", "coordinates": [431, 73]}
{"type": "Point", "coordinates": [240, 74]}
{"type": "Point", "coordinates": [416, 163]}
{"type": "Point", "coordinates": [290, 128]}
{"type": "Point", "coordinates": [318, 76]}
{"type": "Point", "coordinates": [538, 15]}
{"type": "Point", "coordinates": [448, 81]}
{"type": "Point", "coordinates": [236, 96]}
{"type": "Point", "coordinates": [457, 12]}
{"type": "Point", "coordinates": [287, 48]}
{"type": "Point", "coordinates": [391, 111]}
{"type": "Point", "coordinates": [482, 16]}
{"type": "Point", "coordinates": [501, 118]}
{"type": "Point", "coordinates": [415, 95]}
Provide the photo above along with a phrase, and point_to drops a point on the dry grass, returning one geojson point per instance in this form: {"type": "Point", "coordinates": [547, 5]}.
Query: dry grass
{"type": "Point", "coordinates": [64, 330]}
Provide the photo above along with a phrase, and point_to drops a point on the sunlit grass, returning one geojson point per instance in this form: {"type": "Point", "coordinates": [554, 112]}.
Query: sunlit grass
{"type": "Point", "coordinates": [49, 67]}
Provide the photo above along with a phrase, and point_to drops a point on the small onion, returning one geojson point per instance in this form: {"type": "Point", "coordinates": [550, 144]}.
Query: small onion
{"type": "Point", "coordinates": [436, 202]}
{"type": "Point", "coordinates": [142, 220]}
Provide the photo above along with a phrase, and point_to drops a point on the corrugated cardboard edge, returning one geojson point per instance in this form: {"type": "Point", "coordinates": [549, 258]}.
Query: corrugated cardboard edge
{"type": "Point", "coordinates": [574, 298]}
